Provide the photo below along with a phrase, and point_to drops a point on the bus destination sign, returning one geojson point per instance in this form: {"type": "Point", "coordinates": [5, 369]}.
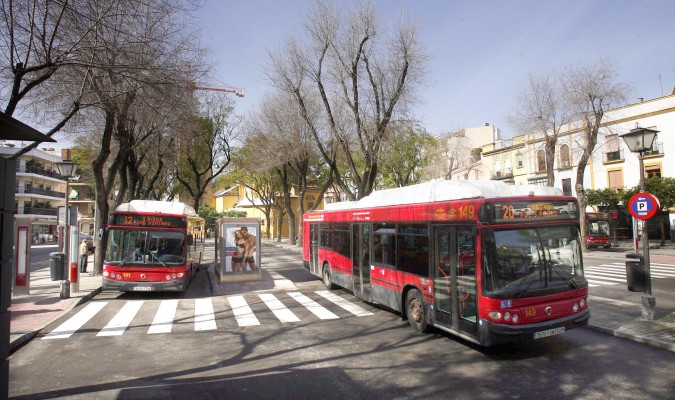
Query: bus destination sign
{"type": "Point", "coordinates": [154, 221]}
{"type": "Point", "coordinates": [520, 210]}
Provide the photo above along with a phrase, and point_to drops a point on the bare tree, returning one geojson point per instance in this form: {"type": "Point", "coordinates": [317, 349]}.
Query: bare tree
{"type": "Point", "coordinates": [589, 89]}
{"type": "Point", "coordinates": [543, 109]}
{"type": "Point", "coordinates": [135, 54]}
{"type": "Point", "coordinates": [361, 79]}
{"type": "Point", "coordinates": [286, 145]}
{"type": "Point", "coordinates": [204, 147]}
{"type": "Point", "coordinates": [41, 42]}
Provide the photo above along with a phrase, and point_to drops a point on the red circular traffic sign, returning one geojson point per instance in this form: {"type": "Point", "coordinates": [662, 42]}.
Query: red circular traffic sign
{"type": "Point", "coordinates": [643, 206]}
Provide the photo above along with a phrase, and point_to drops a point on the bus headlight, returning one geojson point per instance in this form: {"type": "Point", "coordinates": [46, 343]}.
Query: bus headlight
{"type": "Point", "coordinates": [496, 315]}
{"type": "Point", "coordinates": [575, 307]}
{"type": "Point", "coordinates": [106, 274]}
{"type": "Point", "coordinates": [507, 316]}
{"type": "Point", "coordinates": [515, 318]}
{"type": "Point", "coordinates": [168, 277]}
{"type": "Point", "coordinates": [582, 303]}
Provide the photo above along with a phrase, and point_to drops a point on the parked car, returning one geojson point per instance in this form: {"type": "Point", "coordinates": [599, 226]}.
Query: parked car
{"type": "Point", "coordinates": [90, 242]}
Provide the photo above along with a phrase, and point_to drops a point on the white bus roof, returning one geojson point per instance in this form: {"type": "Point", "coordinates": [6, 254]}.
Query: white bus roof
{"type": "Point", "coordinates": [154, 206]}
{"type": "Point", "coordinates": [443, 190]}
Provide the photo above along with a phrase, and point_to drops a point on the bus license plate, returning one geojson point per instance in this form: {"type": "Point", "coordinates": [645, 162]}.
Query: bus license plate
{"type": "Point", "coordinates": [549, 332]}
{"type": "Point", "coordinates": [142, 288]}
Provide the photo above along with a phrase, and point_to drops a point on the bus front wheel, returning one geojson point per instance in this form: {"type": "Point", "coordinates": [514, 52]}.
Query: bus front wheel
{"type": "Point", "coordinates": [416, 310]}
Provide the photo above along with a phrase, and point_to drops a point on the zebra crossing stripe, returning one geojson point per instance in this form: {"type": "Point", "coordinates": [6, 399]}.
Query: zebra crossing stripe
{"type": "Point", "coordinates": [605, 277]}
{"type": "Point", "coordinates": [66, 329]}
{"type": "Point", "coordinates": [122, 319]}
{"type": "Point", "coordinates": [242, 312]}
{"type": "Point", "coordinates": [163, 322]}
{"type": "Point", "coordinates": [278, 308]}
{"type": "Point", "coordinates": [347, 305]}
{"type": "Point", "coordinates": [313, 306]}
{"type": "Point", "coordinates": [594, 283]}
{"type": "Point", "coordinates": [205, 319]}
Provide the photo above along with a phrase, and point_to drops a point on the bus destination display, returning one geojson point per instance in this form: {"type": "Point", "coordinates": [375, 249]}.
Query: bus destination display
{"type": "Point", "coordinates": [157, 221]}
{"type": "Point", "coordinates": [537, 210]}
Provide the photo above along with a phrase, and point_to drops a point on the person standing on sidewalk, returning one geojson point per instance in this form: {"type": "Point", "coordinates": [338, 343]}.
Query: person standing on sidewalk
{"type": "Point", "coordinates": [83, 256]}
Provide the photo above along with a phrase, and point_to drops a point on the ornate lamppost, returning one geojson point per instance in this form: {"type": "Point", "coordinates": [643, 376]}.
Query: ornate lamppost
{"type": "Point", "coordinates": [639, 140]}
{"type": "Point", "coordinates": [67, 170]}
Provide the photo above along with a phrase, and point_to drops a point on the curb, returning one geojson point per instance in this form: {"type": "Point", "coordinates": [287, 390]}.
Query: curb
{"type": "Point", "coordinates": [26, 337]}
{"type": "Point", "coordinates": [635, 338]}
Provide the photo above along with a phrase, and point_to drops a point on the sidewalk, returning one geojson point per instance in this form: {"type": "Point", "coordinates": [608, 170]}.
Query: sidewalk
{"type": "Point", "coordinates": [32, 313]}
{"type": "Point", "coordinates": [29, 314]}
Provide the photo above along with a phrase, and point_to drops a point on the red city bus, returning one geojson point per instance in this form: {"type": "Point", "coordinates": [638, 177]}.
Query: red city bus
{"type": "Point", "coordinates": [152, 246]}
{"type": "Point", "coordinates": [486, 261]}
{"type": "Point", "coordinates": [597, 230]}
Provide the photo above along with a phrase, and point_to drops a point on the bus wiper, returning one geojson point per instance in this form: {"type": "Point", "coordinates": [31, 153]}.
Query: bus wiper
{"type": "Point", "coordinates": [155, 257]}
{"type": "Point", "coordinates": [567, 277]}
{"type": "Point", "coordinates": [529, 282]}
{"type": "Point", "coordinates": [128, 257]}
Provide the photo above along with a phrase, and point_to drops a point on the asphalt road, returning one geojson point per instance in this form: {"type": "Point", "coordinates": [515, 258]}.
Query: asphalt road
{"type": "Point", "coordinates": [369, 354]}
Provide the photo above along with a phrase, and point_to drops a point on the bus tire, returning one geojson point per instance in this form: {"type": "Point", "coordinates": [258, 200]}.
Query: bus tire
{"type": "Point", "coordinates": [326, 278]}
{"type": "Point", "coordinates": [416, 311]}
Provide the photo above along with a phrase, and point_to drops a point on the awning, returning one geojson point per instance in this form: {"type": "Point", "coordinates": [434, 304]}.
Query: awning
{"type": "Point", "coordinates": [13, 129]}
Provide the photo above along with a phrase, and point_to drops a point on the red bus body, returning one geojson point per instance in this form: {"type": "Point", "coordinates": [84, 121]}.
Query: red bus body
{"type": "Point", "coordinates": [492, 268]}
{"type": "Point", "coordinates": [152, 246]}
{"type": "Point", "coordinates": [597, 230]}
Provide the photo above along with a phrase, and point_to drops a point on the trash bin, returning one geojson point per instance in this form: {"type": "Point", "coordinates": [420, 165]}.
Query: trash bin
{"type": "Point", "coordinates": [635, 273]}
{"type": "Point", "coordinates": [57, 266]}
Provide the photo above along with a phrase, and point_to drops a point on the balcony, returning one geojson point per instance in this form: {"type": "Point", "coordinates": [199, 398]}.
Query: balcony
{"type": "Point", "coordinates": [43, 192]}
{"type": "Point", "coordinates": [32, 169]}
{"type": "Point", "coordinates": [656, 150]}
{"type": "Point", "coordinates": [502, 175]}
{"type": "Point", "coordinates": [613, 156]}
{"type": "Point", "coordinates": [38, 211]}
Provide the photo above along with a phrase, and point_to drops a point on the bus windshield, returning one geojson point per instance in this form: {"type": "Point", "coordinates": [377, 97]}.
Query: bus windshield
{"type": "Point", "coordinates": [145, 247]}
{"type": "Point", "coordinates": [533, 261]}
{"type": "Point", "coordinates": [598, 228]}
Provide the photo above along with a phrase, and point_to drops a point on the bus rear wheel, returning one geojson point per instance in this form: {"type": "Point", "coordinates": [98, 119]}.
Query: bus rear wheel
{"type": "Point", "coordinates": [326, 278]}
{"type": "Point", "coordinates": [416, 311]}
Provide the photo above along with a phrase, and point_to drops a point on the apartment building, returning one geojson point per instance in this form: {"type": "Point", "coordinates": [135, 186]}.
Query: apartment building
{"type": "Point", "coordinates": [40, 190]}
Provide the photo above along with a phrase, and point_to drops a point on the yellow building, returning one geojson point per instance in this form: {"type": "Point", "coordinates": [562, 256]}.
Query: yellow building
{"type": "Point", "coordinates": [240, 198]}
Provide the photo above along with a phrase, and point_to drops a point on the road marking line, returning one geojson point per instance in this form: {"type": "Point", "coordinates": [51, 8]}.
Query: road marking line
{"type": "Point", "coordinates": [347, 305]}
{"type": "Point", "coordinates": [242, 312]}
{"type": "Point", "coordinates": [278, 308]}
{"type": "Point", "coordinates": [601, 283]}
{"type": "Point", "coordinates": [66, 329]}
{"type": "Point", "coordinates": [316, 308]}
{"type": "Point", "coordinates": [122, 319]}
{"type": "Point", "coordinates": [205, 320]}
{"type": "Point", "coordinates": [163, 322]}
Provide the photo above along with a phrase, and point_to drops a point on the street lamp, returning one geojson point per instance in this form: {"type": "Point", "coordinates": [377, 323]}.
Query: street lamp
{"type": "Point", "coordinates": [639, 140]}
{"type": "Point", "coordinates": [67, 170]}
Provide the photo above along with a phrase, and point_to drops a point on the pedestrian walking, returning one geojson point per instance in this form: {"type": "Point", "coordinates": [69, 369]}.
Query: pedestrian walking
{"type": "Point", "coordinates": [83, 256]}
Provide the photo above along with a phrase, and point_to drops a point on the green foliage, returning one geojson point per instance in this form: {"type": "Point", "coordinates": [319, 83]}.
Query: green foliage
{"type": "Point", "coordinates": [609, 198]}
{"type": "Point", "coordinates": [210, 215]}
{"type": "Point", "coordinates": [663, 189]}
{"type": "Point", "coordinates": [404, 155]}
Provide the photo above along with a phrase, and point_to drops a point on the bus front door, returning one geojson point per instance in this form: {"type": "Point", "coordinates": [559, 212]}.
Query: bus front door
{"type": "Point", "coordinates": [361, 260]}
{"type": "Point", "coordinates": [455, 277]}
{"type": "Point", "coordinates": [314, 249]}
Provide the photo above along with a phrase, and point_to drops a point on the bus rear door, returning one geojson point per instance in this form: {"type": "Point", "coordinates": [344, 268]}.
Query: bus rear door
{"type": "Point", "coordinates": [454, 276]}
{"type": "Point", "coordinates": [361, 260]}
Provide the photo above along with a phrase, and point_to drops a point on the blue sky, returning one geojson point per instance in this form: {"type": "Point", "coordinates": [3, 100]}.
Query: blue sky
{"type": "Point", "coordinates": [480, 52]}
